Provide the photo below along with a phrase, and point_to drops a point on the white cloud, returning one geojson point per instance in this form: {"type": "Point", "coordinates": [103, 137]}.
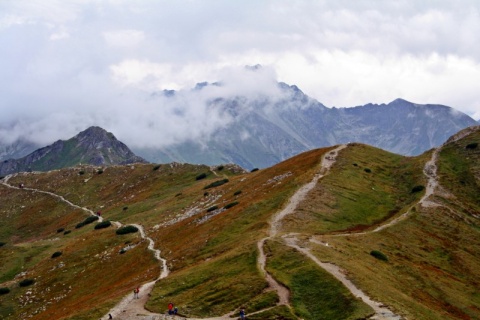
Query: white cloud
{"type": "Point", "coordinates": [117, 53]}
{"type": "Point", "coordinates": [124, 38]}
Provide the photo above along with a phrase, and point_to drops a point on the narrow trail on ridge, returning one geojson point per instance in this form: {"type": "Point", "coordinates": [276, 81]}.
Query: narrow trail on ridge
{"type": "Point", "coordinates": [283, 292]}
{"type": "Point", "coordinates": [328, 160]}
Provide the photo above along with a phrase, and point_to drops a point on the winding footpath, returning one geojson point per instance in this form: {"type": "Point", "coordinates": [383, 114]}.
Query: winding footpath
{"type": "Point", "coordinates": [128, 307]}
{"type": "Point", "coordinates": [381, 312]}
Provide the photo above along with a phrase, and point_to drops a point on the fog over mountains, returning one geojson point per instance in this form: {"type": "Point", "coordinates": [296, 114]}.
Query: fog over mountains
{"type": "Point", "coordinates": [248, 119]}
{"type": "Point", "coordinates": [264, 131]}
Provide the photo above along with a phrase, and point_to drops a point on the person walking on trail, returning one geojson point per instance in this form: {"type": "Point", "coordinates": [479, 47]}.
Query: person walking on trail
{"type": "Point", "coordinates": [170, 308]}
{"type": "Point", "coordinates": [135, 292]}
{"type": "Point", "coordinates": [242, 314]}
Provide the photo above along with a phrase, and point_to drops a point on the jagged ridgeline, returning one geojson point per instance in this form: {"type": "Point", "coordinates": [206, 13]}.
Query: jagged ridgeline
{"type": "Point", "coordinates": [404, 229]}
{"type": "Point", "coordinates": [93, 146]}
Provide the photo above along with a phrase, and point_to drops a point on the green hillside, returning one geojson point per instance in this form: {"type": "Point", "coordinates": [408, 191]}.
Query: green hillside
{"type": "Point", "coordinates": [208, 222]}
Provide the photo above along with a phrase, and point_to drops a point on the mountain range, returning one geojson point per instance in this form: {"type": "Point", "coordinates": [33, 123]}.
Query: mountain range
{"type": "Point", "coordinates": [265, 131]}
{"type": "Point", "coordinates": [343, 232]}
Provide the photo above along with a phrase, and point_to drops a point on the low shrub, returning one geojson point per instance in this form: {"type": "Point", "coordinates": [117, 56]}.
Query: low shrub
{"type": "Point", "coordinates": [201, 176]}
{"type": "Point", "coordinates": [88, 220]}
{"type": "Point", "coordinates": [367, 170]}
{"type": "Point", "coordinates": [100, 171]}
{"type": "Point", "coordinates": [212, 208]}
{"type": "Point", "coordinates": [178, 194]}
{"type": "Point", "coordinates": [355, 165]}
{"type": "Point", "coordinates": [205, 194]}
{"type": "Point", "coordinates": [56, 254]}
{"type": "Point", "coordinates": [156, 167]}
{"type": "Point", "coordinates": [67, 232]}
{"type": "Point", "coordinates": [26, 282]}
{"type": "Point", "coordinates": [216, 183]}
{"type": "Point", "coordinates": [2, 243]}
{"type": "Point", "coordinates": [4, 290]}
{"type": "Point", "coordinates": [417, 189]}
{"type": "Point", "coordinates": [379, 255]}
{"type": "Point", "coordinates": [103, 225]}
{"type": "Point", "coordinates": [254, 169]}
{"type": "Point", "coordinates": [125, 208]}
{"type": "Point", "coordinates": [231, 204]}
{"type": "Point", "coordinates": [81, 172]}
{"type": "Point", "coordinates": [472, 146]}
{"type": "Point", "coordinates": [126, 229]}
{"type": "Point", "coordinates": [220, 168]}
{"type": "Point", "coordinates": [79, 225]}
{"type": "Point", "coordinates": [60, 230]}
{"type": "Point", "coordinates": [236, 193]}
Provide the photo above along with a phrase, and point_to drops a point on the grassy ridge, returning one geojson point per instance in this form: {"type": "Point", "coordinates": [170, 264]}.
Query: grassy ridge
{"type": "Point", "coordinates": [365, 187]}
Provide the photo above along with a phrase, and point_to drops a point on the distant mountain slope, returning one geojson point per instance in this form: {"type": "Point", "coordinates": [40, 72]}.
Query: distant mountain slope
{"type": "Point", "coordinates": [266, 131]}
{"type": "Point", "coordinates": [93, 146]}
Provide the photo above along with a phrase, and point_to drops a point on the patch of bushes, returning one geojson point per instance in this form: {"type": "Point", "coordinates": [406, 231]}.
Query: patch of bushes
{"type": "Point", "coordinates": [125, 208]}
{"type": "Point", "coordinates": [88, 220]}
{"type": "Point", "coordinates": [205, 194]}
{"type": "Point", "coordinates": [367, 170]}
{"type": "Point", "coordinates": [156, 167]}
{"type": "Point", "coordinates": [417, 189]}
{"type": "Point", "coordinates": [103, 225]}
{"type": "Point", "coordinates": [216, 183]}
{"type": "Point", "coordinates": [60, 230]}
{"type": "Point", "coordinates": [355, 165]}
{"type": "Point", "coordinates": [220, 168]}
{"type": "Point", "coordinates": [231, 204]}
{"type": "Point", "coordinates": [212, 208]}
{"type": "Point", "coordinates": [56, 254]}
{"type": "Point", "coordinates": [178, 194]}
{"type": "Point", "coordinates": [201, 176]}
{"type": "Point", "coordinates": [4, 290]}
{"type": "Point", "coordinates": [67, 232]}
{"type": "Point", "coordinates": [81, 172]}
{"type": "Point", "coordinates": [126, 229]}
{"type": "Point", "coordinates": [2, 243]}
{"type": "Point", "coordinates": [254, 169]}
{"type": "Point", "coordinates": [236, 193]}
{"type": "Point", "coordinates": [378, 255]}
{"type": "Point", "coordinates": [26, 282]}
{"type": "Point", "coordinates": [472, 145]}
{"type": "Point", "coordinates": [100, 171]}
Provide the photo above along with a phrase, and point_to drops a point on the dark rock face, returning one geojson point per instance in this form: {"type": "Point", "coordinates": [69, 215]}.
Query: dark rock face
{"type": "Point", "coordinates": [93, 146]}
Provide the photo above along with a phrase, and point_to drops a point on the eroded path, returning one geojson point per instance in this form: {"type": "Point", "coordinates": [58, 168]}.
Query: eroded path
{"type": "Point", "coordinates": [381, 312]}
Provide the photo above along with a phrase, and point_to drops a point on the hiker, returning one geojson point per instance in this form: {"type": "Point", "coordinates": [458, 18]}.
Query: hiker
{"type": "Point", "coordinates": [242, 314]}
{"type": "Point", "coordinates": [175, 311]}
{"type": "Point", "coordinates": [170, 308]}
{"type": "Point", "coordinates": [135, 292]}
{"type": "Point", "coordinates": [22, 185]}
{"type": "Point", "coordinates": [99, 213]}
{"type": "Point", "coordinates": [110, 316]}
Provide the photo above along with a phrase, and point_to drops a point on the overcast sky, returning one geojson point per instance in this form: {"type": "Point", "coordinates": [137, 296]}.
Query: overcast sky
{"type": "Point", "coordinates": [66, 64]}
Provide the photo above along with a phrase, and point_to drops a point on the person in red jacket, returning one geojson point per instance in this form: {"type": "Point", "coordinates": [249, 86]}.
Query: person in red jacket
{"type": "Point", "coordinates": [170, 308]}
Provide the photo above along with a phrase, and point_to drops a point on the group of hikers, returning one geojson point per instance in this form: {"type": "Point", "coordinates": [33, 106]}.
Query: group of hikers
{"type": "Point", "coordinates": [172, 310]}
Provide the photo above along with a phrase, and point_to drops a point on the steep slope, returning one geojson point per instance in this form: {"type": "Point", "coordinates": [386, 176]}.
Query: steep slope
{"type": "Point", "coordinates": [93, 146]}
{"type": "Point", "coordinates": [209, 235]}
